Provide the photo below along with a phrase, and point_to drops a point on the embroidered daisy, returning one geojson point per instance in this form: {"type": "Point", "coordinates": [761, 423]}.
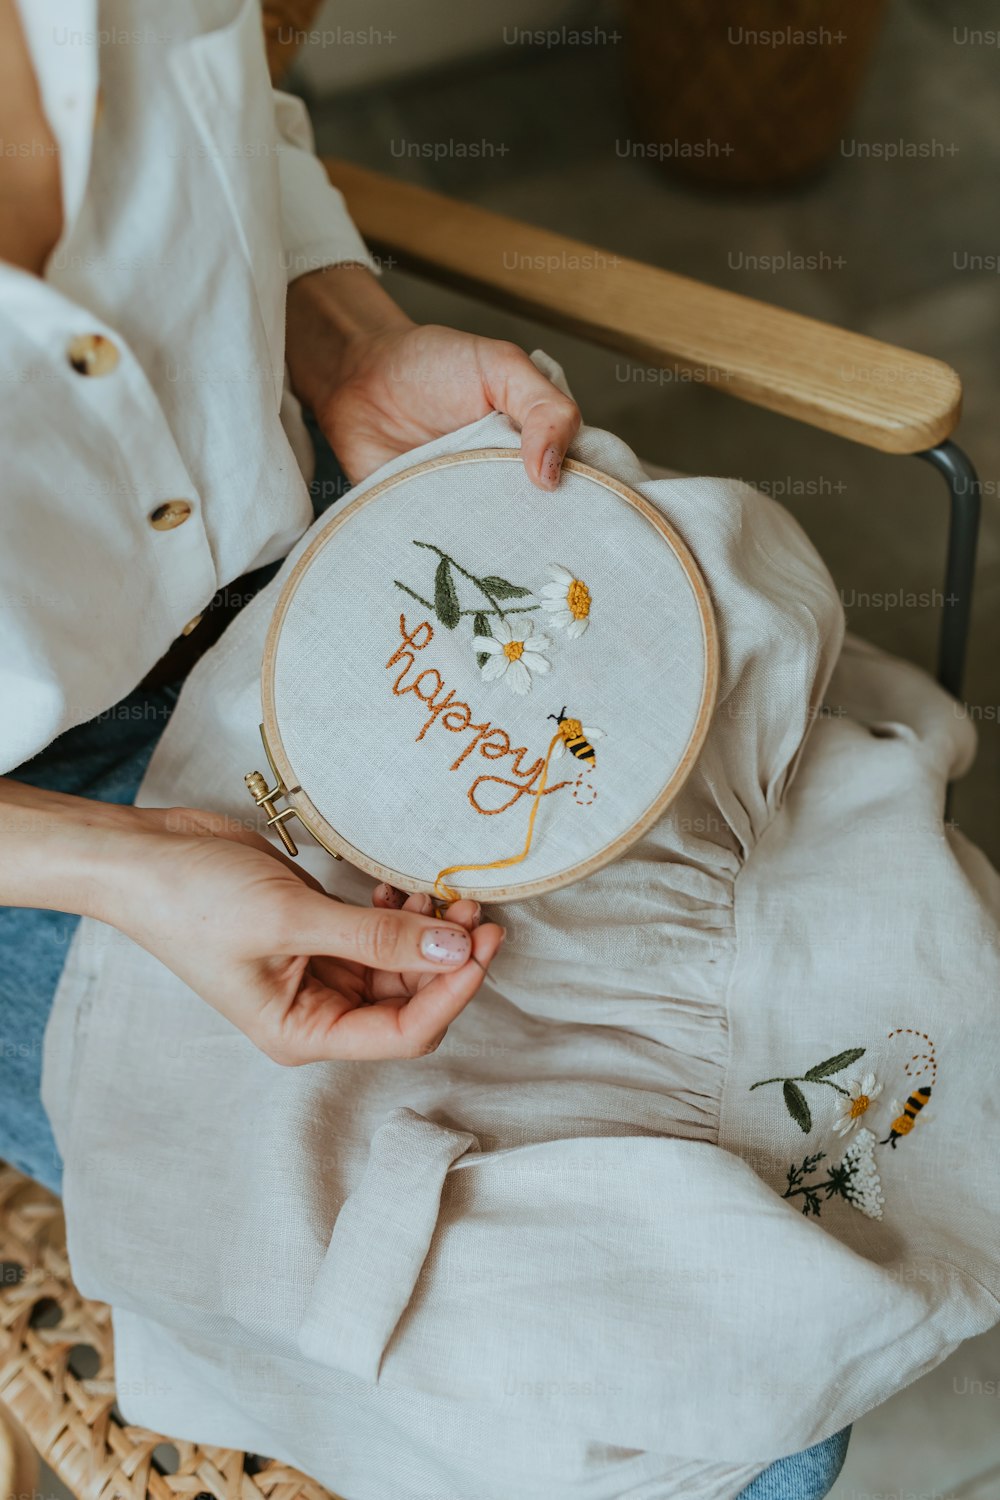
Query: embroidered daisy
{"type": "Point", "coordinates": [567, 600]}
{"type": "Point", "coordinates": [859, 1100]}
{"type": "Point", "coordinates": [863, 1186]}
{"type": "Point", "coordinates": [514, 653]}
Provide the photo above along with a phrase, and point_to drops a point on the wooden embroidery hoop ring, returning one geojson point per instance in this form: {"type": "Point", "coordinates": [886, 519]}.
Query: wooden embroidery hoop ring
{"type": "Point", "coordinates": [300, 805]}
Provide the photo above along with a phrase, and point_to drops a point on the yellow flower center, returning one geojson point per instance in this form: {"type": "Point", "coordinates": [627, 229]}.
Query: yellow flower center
{"type": "Point", "coordinates": [859, 1105]}
{"type": "Point", "coordinates": [578, 599]}
{"type": "Point", "coordinates": [514, 650]}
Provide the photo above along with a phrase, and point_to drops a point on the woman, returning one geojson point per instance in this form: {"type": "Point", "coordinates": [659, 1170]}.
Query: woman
{"type": "Point", "coordinates": [169, 250]}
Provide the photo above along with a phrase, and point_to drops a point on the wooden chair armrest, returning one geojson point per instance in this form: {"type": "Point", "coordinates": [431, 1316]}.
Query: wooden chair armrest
{"type": "Point", "coordinates": [845, 383]}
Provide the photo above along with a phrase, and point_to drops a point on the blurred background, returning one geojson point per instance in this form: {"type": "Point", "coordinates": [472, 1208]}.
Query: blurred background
{"type": "Point", "coordinates": [863, 192]}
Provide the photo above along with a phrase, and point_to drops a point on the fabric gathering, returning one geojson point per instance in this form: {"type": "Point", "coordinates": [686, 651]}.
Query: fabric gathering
{"type": "Point", "coordinates": [697, 1171]}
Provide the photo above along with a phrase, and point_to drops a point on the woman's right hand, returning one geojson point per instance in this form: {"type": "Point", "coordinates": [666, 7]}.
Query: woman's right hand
{"type": "Point", "coordinates": [304, 975]}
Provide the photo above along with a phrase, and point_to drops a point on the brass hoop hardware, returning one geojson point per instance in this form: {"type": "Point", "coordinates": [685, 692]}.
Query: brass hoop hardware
{"type": "Point", "coordinates": [265, 797]}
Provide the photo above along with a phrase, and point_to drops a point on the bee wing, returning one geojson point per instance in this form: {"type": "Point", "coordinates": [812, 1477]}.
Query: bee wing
{"type": "Point", "coordinates": [559, 748]}
{"type": "Point", "coordinates": [592, 734]}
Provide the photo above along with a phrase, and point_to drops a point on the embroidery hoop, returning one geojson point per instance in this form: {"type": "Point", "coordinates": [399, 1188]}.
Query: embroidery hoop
{"type": "Point", "coordinates": [300, 804]}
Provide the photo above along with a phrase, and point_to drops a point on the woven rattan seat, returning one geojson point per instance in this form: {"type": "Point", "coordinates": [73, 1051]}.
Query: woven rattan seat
{"type": "Point", "coordinates": [49, 1337]}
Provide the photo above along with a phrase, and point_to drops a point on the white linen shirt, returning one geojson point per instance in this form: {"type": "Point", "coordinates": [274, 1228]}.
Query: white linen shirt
{"type": "Point", "coordinates": [191, 198]}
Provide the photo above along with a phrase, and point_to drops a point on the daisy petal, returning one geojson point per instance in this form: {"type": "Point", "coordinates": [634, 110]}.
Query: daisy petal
{"type": "Point", "coordinates": [486, 643]}
{"type": "Point", "coordinates": [494, 667]}
{"type": "Point", "coordinates": [576, 628]}
{"type": "Point", "coordinates": [537, 643]}
{"type": "Point", "coordinates": [503, 632]}
{"type": "Point", "coordinates": [561, 575]}
{"type": "Point", "coordinates": [535, 663]}
{"type": "Point", "coordinates": [554, 591]}
{"type": "Point", "coordinates": [519, 677]}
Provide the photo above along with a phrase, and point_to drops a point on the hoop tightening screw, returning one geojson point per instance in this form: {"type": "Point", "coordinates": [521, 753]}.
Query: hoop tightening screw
{"type": "Point", "coordinates": [264, 797]}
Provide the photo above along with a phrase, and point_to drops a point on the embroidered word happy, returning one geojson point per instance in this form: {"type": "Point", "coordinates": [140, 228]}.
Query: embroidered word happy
{"type": "Point", "coordinates": [449, 714]}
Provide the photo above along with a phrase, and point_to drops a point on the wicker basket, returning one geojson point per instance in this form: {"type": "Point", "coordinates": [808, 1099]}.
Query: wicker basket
{"type": "Point", "coordinates": [49, 1333]}
{"type": "Point", "coordinates": [713, 104]}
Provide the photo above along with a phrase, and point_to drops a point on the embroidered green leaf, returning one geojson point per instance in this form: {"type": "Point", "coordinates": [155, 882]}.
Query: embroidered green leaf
{"type": "Point", "coordinates": [834, 1064]}
{"type": "Point", "coordinates": [481, 626]}
{"type": "Point", "coordinates": [446, 603]}
{"type": "Point", "coordinates": [795, 1103]}
{"type": "Point", "coordinates": [501, 589]}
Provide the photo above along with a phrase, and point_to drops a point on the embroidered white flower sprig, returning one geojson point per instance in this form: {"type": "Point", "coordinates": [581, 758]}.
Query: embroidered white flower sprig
{"type": "Point", "coordinates": [567, 601]}
{"type": "Point", "coordinates": [862, 1184]}
{"type": "Point", "coordinates": [514, 653]}
{"type": "Point", "coordinates": [855, 1178]}
{"type": "Point", "coordinates": [861, 1094]}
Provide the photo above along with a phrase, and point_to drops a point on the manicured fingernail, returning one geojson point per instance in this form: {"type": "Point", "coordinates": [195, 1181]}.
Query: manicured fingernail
{"type": "Point", "coordinates": [551, 467]}
{"type": "Point", "coordinates": [388, 895]}
{"type": "Point", "coordinates": [445, 945]}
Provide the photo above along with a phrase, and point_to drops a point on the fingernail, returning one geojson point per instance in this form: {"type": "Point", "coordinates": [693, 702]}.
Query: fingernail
{"type": "Point", "coordinates": [389, 895]}
{"type": "Point", "coordinates": [477, 915]}
{"type": "Point", "coordinates": [445, 945]}
{"type": "Point", "coordinates": [503, 936]}
{"type": "Point", "coordinates": [551, 467]}
{"type": "Point", "coordinates": [424, 906]}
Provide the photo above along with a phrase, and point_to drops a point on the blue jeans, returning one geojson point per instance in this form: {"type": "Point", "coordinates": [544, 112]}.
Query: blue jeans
{"type": "Point", "coordinates": [802, 1476]}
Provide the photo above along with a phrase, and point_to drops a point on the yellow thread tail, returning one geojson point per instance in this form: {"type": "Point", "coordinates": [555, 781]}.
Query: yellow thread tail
{"type": "Point", "coordinates": [446, 893]}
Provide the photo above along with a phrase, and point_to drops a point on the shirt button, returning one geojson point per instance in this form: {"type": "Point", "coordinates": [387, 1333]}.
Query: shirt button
{"type": "Point", "coordinates": [170, 514]}
{"type": "Point", "coordinates": [92, 354]}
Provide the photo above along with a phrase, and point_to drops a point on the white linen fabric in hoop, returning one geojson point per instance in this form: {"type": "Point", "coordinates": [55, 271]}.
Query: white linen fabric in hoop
{"type": "Point", "coordinates": [399, 738]}
{"type": "Point", "coordinates": [553, 1259]}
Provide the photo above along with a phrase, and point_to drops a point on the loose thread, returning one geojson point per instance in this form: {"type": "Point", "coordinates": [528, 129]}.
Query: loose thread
{"type": "Point", "coordinates": [446, 892]}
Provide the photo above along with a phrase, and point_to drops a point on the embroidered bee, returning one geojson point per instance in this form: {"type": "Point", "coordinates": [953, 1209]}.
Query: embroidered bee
{"type": "Point", "coordinates": [904, 1123]}
{"type": "Point", "coordinates": [576, 738]}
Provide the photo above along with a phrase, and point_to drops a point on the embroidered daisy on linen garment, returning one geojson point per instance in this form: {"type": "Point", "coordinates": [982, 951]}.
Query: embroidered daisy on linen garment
{"type": "Point", "coordinates": [567, 601]}
{"type": "Point", "coordinates": [514, 653]}
{"type": "Point", "coordinates": [860, 1096]}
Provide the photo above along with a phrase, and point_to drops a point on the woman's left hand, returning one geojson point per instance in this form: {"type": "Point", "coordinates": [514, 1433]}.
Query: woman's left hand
{"type": "Point", "coordinates": [380, 385]}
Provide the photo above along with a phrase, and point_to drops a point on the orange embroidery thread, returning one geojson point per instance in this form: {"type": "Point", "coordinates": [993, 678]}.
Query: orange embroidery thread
{"type": "Point", "coordinates": [922, 1057]}
{"type": "Point", "coordinates": [491, 742]}
{"type": "Point", "coordinates": [578, 786]}
{"type": "Point", "coordinates": [446, 892]}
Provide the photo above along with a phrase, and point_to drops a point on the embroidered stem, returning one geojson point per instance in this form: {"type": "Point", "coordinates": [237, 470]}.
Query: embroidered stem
{"type": "Point", "coordinates": [520, 609]}
{"type": "Point", "coordinates": [796, 1102]}
{"type": "Point", "coordinates": [481, 584]}
{"type": "Point", "coordinates": [799, 1078]}
{"type": "Point", "coordinates": [447, 893]}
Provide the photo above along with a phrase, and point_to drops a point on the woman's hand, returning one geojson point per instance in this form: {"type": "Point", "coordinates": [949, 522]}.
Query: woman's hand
{"type": "Point", "coordinates": [380, 385]}
{"type": "Point", "coordinates": [306, 976]}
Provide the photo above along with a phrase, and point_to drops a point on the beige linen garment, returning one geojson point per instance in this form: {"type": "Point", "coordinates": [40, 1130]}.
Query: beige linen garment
{"type": "Point", "coordinates": [554, 1259]}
